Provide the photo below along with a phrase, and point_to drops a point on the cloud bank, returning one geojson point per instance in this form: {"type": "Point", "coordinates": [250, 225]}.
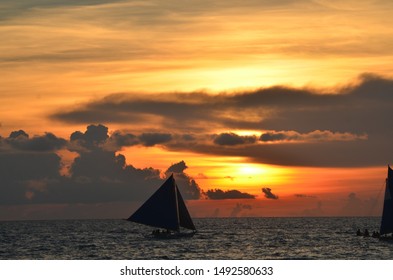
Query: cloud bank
{"type": "Point", "coordinates": [30, 169]}
{"type": "Point", "coordinates": [297, 127]}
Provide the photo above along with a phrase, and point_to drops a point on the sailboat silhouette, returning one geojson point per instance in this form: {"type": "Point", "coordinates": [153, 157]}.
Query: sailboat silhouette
{"type": "Point", "coordinates": [165, 209]}
{"type": "Point", "coordinates": [387, 213]}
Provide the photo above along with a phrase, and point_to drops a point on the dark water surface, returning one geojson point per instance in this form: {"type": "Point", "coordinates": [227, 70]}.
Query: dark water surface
{"type": "Point", "coordinates": [225, 238]}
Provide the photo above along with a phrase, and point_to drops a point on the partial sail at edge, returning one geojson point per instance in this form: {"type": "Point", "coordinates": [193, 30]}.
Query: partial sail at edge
{"type": "Point", "coordinates": [387, 214]}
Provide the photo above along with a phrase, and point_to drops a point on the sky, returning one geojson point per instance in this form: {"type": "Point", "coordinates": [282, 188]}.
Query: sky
{"type": "Point", "coordinates": [259, 108]}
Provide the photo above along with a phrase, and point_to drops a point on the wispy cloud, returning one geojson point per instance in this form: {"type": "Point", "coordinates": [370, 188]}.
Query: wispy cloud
{"type": "Point", "coordinates": [298, 195]}
{"type": "Point", "coordinates": [201, 44]}
{"type": "Point", "coordinates": [313, 136]}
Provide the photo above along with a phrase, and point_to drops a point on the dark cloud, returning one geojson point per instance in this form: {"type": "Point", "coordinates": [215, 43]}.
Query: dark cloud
{"type": "Point", "coordinates": [327, 154]}
{"type": "Point", "coordinates": [230, 194]}
{"type": "Point", "coordinates": [119, 140]}
{"type": "Point", "coordinates": [151, 139]}
{"type": "Point", "coordinates": [232, 139]}
{"type": "Point", "coordinates": [18, 171]}
{"type": "Point", "coordinates": [31, 173]}
{"type": "Point", "coordinates": [275, 136]}
{"type": "Point", "coordinates": [313, 136]}
{"type": "Point", "coordinates": [268, 193]}
{"type": "Point", "coordinates": [97, 137]}
{"type": "Point", "coordinates": [359, 109]}
{"type": "Point", "coordinates": [177, 167]}
{"type": "Point", "coordinates": [94, 137]}
{"type": "Point", "coordinates": [188, 137]}
{"type": "Point", "coordinates": [20, 140]}
{"type": "Point", "coordinates": [19, 133]}
{"type": "Point", "coordinates": [187, 185]}
{"type": "Point", "coordinates": [307, 127]}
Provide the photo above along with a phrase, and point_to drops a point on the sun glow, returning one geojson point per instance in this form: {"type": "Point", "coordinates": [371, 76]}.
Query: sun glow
{"type": "Point", "coordinates": [235, 173]}
{"type": "Point", "coordinates": [251, 170]}
{"type": "Point", "coordinates": [247, 132]}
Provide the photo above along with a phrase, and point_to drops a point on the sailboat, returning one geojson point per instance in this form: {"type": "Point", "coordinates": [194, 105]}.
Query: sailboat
{"type": "Point", "coordinates": [166, 211]}
{"type": "Point", "coordinates": [387, 213]}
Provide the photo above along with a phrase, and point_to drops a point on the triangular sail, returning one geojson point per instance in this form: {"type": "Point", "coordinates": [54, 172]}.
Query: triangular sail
{"type": "Point", "coordinates": [184, 217]}
{"type": "Point", "coordinates": [387, 214]}
{"type": "Point", "coordinates": [160, 210]}
{"type": "Point", "coordinates": [164, 209]}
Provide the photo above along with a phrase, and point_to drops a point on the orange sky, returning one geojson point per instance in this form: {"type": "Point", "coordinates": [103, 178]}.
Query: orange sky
{"type": "Point", "coordinates": [272, 93]}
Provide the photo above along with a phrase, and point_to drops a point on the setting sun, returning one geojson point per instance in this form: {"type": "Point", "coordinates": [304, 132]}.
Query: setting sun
{"type": "Point", "coordinates": [250, 170]}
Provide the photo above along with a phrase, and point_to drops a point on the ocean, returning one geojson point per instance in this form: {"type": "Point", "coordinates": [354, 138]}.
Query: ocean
{"type": "Point", "coordinates": [217, 238]}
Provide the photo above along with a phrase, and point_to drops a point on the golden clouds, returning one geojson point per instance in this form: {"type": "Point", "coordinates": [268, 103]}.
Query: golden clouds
{"type": "Point", "coordinates": [67, 53]}
{"type": "Point", "coordinates": [127, 45]}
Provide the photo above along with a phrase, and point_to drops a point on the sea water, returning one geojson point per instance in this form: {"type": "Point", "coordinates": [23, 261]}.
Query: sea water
{"type": "Point", "coordinates": [217, 238]}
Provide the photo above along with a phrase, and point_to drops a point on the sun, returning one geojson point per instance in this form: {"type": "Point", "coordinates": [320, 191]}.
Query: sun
{"type": "Point", "coordinates": [248, 170]}
{"type": "Point", "coordinates": [250, 175]}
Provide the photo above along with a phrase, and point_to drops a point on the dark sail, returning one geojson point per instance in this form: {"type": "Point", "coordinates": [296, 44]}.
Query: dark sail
{"type": "Point", "coordinates": [387, 214]}
{"type": "Point", "coordinates": [184, 217]}
{"type": "Point", "coordinates": [164, 209]}
{"type": "Point", "coordinates": [160, 210]}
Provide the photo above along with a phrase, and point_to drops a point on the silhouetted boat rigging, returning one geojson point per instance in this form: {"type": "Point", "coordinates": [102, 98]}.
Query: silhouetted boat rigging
{"type": "Point", "coordinates": [166, 211]}
{"type": "Point", "coordinates": [387, 213]}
